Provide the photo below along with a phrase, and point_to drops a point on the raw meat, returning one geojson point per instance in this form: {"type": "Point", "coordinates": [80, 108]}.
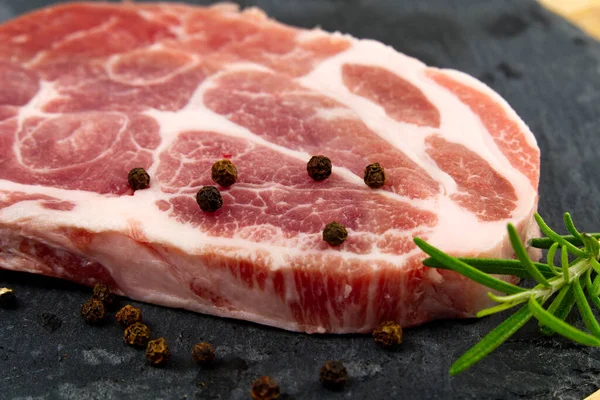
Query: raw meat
{"type": "Point", "coordinates": [91, 91]}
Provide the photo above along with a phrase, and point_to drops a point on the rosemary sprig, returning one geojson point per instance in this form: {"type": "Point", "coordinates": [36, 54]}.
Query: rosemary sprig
{"type": "Point", "coordinates": [496, 266]}
{"type": "Point", "coordinates": [577, 283]}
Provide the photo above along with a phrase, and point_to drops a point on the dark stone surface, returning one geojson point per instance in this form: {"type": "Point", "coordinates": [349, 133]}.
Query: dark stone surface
{"type": "Point", "coordinates": [548, 70]}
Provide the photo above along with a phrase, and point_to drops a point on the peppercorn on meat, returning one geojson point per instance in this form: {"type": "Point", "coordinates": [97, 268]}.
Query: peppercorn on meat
{"type": "Point", "coordinates": [117, 119]}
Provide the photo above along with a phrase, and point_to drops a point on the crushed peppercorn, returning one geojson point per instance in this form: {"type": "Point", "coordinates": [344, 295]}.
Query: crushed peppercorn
{"type": "Point", "coordinates": [224, 173]}
{"type": "Point", "coordinates": [93, 311]}
{"type": "Point", "coordinates": [265, 388]}
{"type": "Point", "coordinates": [203, 353]}
{"type": "Point", "coordinates": [388, 334]}
{"type": "Point", "coordinates": [128, 315]}
{"type": "Point", "coordinates": [319, 167]}
{"type": "Point", "coordinates": [157, 352]}
{"type": "Point", "coordinates": [374, 176]}
{"type": "Point", "coordinates": [138, 179]}
{"type": "Point", "coordinates": [334, 375]}
{"type": "Point", "coordinates": [7, 298]}
{"type": "Point", "coordinates": [335, 233]}
{"type": "Point", "coordinates": [104, 294]}
{"type": "Point", "coordinates": [209, 199]}
{"type": "Point", "coordinates": [137, 335]}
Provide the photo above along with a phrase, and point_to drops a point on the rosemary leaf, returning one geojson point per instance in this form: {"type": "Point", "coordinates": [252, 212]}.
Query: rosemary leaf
{"type": "Point", "coordinates": [495, 266]}
{"type": "Point", "coordinates": [562, 310]}
{"type": "Point", "coordinates": [496, 309]}
{"type": "Point", "coordinates": [571, 226]}
{"type": "Point", "coordinates": [466, 270]}
{"type": "Point", "coordinates": [595, 301]}
{"type": "Point", "coordinates": [595, 265]}
{"type": "Point", "coordinates": [559, 326]}
{"type": "Point", "coordinates": [588, 280]}
{"type": "Point", "coordinates": [558, 301]}
{"type": "Point", "coordinates": [595, 289]}
{"type": "Point", "coordinates": [557, 238]}
{"type": "Point", "coordinates": [521, 254]}
{"type": "Point", "coordinates": [492, 340]}
{"type": "Point", "coordinates": [591, 244]}
{"type": "Point", "coordinates": [550, 258]}
{"type": "Point", "coordinates": [517, 297]}
{"type": "Point", "coordinates": [564, 257]}
{"type": "Point", "coordinates": [585, 310]}
{"type": "Point", "coordinates": [545, 242]}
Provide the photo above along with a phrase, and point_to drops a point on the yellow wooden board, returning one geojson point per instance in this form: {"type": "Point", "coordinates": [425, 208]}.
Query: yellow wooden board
{"type": "Point", "coordinates": [584, 13]}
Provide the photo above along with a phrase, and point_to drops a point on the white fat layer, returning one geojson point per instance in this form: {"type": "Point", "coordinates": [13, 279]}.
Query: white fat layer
{"type": "Point", "coordinates": [458, 230]}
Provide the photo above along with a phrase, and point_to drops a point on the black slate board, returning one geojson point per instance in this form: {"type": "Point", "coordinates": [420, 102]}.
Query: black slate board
{"type": "Point", "coordinates": [547, 69]}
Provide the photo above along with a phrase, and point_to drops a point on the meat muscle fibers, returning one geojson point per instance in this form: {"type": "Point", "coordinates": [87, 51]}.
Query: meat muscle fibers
{"type": "Point", "coordinates": [91, 91]}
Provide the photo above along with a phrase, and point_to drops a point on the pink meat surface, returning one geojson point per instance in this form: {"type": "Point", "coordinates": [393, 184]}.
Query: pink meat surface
{"type": "Point", "coordinates": [90, 91]}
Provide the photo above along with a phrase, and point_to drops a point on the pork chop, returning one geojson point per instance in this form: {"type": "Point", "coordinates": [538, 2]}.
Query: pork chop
{"type": "Point", "coordinates": [92, 90]}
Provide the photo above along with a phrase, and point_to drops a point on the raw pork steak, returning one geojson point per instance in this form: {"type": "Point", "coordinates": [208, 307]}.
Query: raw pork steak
{"type": "Point", "coordinates": [90, 91]}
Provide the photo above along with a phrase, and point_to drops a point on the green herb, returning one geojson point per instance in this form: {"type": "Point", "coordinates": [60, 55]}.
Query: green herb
{"type": "Point", "coordinates": [374, 176]}
{"type": "Point", "coordinates": [561, 310]}
{"type": "Point", "coordinates": [334, 375]}
{"type": "Point", "coordinates": [388, 334]}
{"type": "Point", "coordinates": [138, 179]}
{"type": "Point", "coordinates": [577, 283]}
{"type": "Point", "coordinates": [209, 199]}
{"type": "Point", "coordinates": [319, 168]}
{"type": "Point", "coordinates": [265, 388]}
{"type": "Point", "coordinates": [335, 233]}
{"type": "Point", "coordinates": [224, 173]}
{"type": "Point", "coordinates": [157, 352]}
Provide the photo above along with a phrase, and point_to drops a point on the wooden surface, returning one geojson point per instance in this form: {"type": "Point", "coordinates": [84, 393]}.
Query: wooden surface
{"type": "Point", "coordinates": [584, 13]}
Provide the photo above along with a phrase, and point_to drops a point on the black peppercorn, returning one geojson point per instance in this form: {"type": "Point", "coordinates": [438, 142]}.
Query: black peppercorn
{"type": "Point", "coordinates": [224, 173]}
{"type": "Point", "coordinates": [265, 388]}
{"type": "Point", "coordinates": [335, 233]}
{"type": "Point", "coordinates": [137, 335]}
{"type": "Point", "coordinates": [334, 375]}
{"type": "Point", "coordinates": [319, 167]}
{"type": "Point", "coordinates": [374, 176]}
{"type": "Point", "coordinates": [157, 352]}
{"type": "Point", "coordinates": [203, 353]}
{"type": "Point", "coordinates": [7, 298]}
{"type": "Point", "coordinates": [209, 199]}
{"type": "Point", "coordinates": [128, 315]}
{"type": "Point", "coordinates": [93, 311]}
{"type": "Point", "coordinates": [104, 294]}
{"type": "Point", "coordinates": [138, 179]}
{"type": "Point", "coordinates": [388, 334]}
